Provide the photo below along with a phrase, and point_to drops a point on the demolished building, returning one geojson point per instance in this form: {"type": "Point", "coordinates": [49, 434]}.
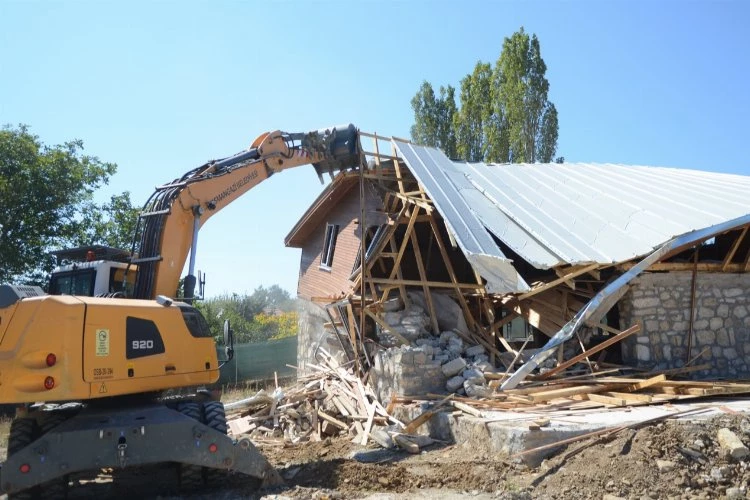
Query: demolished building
{"type": "Point", "coordinates": [484, 263]}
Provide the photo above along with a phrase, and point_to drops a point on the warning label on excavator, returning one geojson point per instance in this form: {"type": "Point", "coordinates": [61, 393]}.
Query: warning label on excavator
{"type": "Point", "coordinates": [102, 342]}
{"type": "Point", "coordinates": [102, 388]}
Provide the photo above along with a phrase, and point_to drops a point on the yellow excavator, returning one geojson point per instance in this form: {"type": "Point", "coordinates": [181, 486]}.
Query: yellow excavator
{"type": "Point", "coordinates": [89, 363]}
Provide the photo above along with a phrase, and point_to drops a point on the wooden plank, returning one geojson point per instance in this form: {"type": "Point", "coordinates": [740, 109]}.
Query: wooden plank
{"type": "Point", "coordinates": [380, 155]}
{"type": "Point", "coordinates": [423, 204]}
{"type": "Point", "coordinates": [466, 409]}
{"type": "Point", "coordinates": [391, 229]}
{"type": "Point", "coordinates": [404, 243]}
{"type": "Point", "coordinates": [332, 420]}
{"type": "Point", "coordinates": [399, 275]}
{"type": "Point", "coordinates": [639, 398]}
{"type": "Point", "coordinates": [425, 288]}
{"type": "Point", "coordinates": [646, 383]}
{"type": "Point", "coordinates": [708, 267]}
{"type": "Point", "coordinates": [607, 400]}
{"type": "Point", "coordinates": [604, 327]}
{"type": "Point", "coordinates": [451, 273]}
{"type": "Point", "coordinates": [538, 388]}
{"type": "Point", "coordinates": [340, 407]}
{"type": "Point", "coordinates": [558, 281]}
{"type": "Point", "coordinates": [417, 422]}
{"type": "Point", "coordinates": [735, 246]}
{"type": "Point", "coordinates": [353, 333]}
{"type": "Point", "coordinates": [538, 397]}
{"type": "Point", "coordinates": [434, 284]}
{"type": "Point", "coordinates": [239, 426]}
{"type": "Point", "coordinates": [630, 331]}
{"type": "Point", "coordinates": [397, 166]}
{"type": "Point", "coordinates": [368, 424]}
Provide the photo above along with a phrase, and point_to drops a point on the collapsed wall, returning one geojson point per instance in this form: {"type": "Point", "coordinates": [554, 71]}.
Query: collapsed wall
{"type": "Point", "coordinates": [431, 363]}
{"type": "Point", "coordinates": [313, 334]}
{"type": "Point", "coordinates": [663, 303]}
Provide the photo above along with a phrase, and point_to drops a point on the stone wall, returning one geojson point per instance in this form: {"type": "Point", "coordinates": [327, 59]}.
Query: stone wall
{"type": "Point", "coordinates": [661, 302]}
{"type": "Point", "coordinates": [313, 334]}
{"type": "Point", "coordinates": [408, 370]}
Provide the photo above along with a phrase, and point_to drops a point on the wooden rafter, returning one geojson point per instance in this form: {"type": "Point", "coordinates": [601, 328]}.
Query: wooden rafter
{"type": "Point", "coordinates": [399, 275]}
{"type": "Point", "coordinates": [396, 164]}
{"type": "Point", "coordinates": [585, 355]}
{"type": "Point", "coordinates": [452, 274]}
{"type": "Point", "coordinates": [733, 250]}
{"type": "Point", "coordinates": [425, 288]}
{"type": "Point", "coordinates": [704, 267]}
{"type": "Point", "coordinates": [404, 243]}
{"type": "Point", "coordinates": [554, 283]}
{"type": "Point", "coordinates": [424, 204]}
{"type": "Point", "coordinates": [353, 334]}
{"type": "Point", "coordinates": [434, 284]}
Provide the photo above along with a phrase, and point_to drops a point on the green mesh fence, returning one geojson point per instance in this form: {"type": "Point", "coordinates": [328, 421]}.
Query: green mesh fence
{"type": "Point", "coordinates": [259, 360]}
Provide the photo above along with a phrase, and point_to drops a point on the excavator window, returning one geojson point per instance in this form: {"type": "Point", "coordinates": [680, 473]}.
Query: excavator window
{"type": "Point", "coordinates": [116, 284]}
{"type": "Point", "coordinates": [78, 282]}
{"type": "Point", "coordinates": [195, 322]}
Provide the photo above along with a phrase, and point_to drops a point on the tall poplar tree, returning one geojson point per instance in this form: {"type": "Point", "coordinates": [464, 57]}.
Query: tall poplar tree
{"type": "Point", "coordinates": [504, 112]}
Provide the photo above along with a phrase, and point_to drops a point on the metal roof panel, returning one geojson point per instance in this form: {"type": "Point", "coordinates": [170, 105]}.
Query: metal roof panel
{"type": "Point", "coordinates": [572, 213]}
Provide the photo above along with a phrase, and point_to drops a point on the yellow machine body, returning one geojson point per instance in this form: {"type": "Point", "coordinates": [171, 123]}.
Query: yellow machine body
{"type": "Point", "coordinates": [100, 347]}
{"type": "Point", "coordinates": [89, 350]}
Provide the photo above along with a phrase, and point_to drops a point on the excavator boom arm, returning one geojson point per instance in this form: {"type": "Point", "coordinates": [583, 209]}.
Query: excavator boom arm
{"type": "Point", "coordinates": [169, 222]}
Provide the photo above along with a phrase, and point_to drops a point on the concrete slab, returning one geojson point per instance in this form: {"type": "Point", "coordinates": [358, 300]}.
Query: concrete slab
{"type": "Point", "coordinates": [508, 433]}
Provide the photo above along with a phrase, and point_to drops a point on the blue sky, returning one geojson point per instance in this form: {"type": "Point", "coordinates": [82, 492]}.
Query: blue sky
{"type": "Point", "coordinates": [161, 87]}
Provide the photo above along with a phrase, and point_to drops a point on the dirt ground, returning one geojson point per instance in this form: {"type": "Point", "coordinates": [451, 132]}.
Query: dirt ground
{"type": "Point", "coordinates": [667, 460]}
{"type": "Point", "coordinates": [692, 466]}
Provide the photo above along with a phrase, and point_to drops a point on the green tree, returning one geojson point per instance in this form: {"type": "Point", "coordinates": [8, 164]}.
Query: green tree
{"type": "Point", "coordinates": [504, 115]}
{"type": "Point", "coordinates": [521, 92]}
{"type": "Point", "coordinates": [46, 193]}
{"type": "Point", "coordinates": [112, 223]}
{"type": "Point", "coordinates": [475, 121]}
{"type": "Point", "coordinates": [433, 124]}
{"type": "Point", "coordinates": [265, 314]}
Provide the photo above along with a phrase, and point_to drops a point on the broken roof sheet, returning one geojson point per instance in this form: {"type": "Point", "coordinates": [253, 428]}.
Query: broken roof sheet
{"type": "Point", "coordinates": [441, 181]}
{"type": "Point", "coordinates": [572, 213]}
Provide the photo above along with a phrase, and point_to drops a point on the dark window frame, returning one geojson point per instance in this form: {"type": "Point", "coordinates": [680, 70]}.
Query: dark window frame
{"type": "Point", "coordinates": [77, 277]}
{"type": "Point", "coordinates": [329, 246]}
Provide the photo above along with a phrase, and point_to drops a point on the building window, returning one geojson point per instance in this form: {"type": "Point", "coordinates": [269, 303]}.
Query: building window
{"type": "Point", "coordinates": [329, 245]}
{"type": "Point", "coordinates": [518, 330]}
{"type": "Point", "coordinates": [373, 235]}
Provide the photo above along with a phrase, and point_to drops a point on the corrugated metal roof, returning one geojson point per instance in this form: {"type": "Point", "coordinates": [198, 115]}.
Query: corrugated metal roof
{"type": "Point", "coordinates": [442, 181]}
{"type": "Point", "coordinates": [572, 213]}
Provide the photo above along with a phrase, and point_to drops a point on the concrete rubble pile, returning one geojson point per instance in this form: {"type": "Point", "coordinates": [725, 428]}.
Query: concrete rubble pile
{"type": "Point", "coordinates": [430, 363]}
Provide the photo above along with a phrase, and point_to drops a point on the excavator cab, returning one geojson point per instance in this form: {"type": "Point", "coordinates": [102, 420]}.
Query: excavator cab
{"type": "Point", "coordinates": [93, 271]}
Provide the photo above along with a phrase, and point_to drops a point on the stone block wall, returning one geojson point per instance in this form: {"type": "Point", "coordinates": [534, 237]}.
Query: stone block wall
{"type": "Point", "coordinates": [408, 370]}
{"type": "Point", "coordinates": [661, 302]}
{"type": "Point", "coordinates": [312, 334]}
